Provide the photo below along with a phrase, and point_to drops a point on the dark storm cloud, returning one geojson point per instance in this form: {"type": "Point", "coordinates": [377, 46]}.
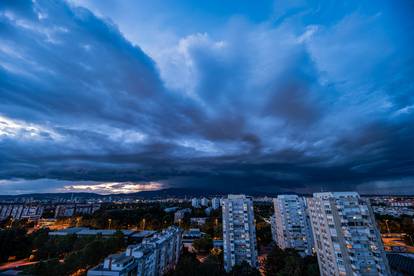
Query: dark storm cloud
{"type": "Point", "coordinates": [303, 101]}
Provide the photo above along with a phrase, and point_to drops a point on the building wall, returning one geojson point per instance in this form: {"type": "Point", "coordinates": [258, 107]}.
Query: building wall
{"type": "Point", "coordinates": [158, 254]}
{"type": "Point", "coordinates": [291, 228]}
{"type": "Point", "coordinates": [239, 232]}
{"type": "Point", "coordinates": [347, 240]}
{"type": "Point", "coordinates": [215, 203]}
{"type": "Point", "coordinates": [20, 211]}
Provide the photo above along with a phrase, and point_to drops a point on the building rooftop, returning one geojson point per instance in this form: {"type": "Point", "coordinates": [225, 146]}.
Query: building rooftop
{"type": "Point", "coordinates": [236, 197]}
{"type": "Point", "coordinates": [336, 194]}
{"type": "Point", "coordinates": [83, 231]}
{"type": "Point", "coordinates": [103, 232]}
{"type": "Point", "coordinates": [67, 231]}
{"type": "Point", "coordinates": [143, 234]}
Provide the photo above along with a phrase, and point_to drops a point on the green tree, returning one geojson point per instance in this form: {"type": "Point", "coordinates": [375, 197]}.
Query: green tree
{"type": "Point", "coordinates": [263, 233]}
{"type": "Point", "coordinates": [311, 266]}
{"type": "Point", "coordinates": [212, 266]}
{"type": "Point", "coordinates": [187, 265]}
{"type": "Point", "coordinates": [275, 261]}
{"type": "Point", "coordinates": [244, 269]}
{"type": "Point", "coordinates": [14, 242]}
{"type": "Point", "coordinates": [203, 244]}
{"type": "Point", "coordinates": [289, 263]}
{"type": "Point", "coordinates": [293, 266]}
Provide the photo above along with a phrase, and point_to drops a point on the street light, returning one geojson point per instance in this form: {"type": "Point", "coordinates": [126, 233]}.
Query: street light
{"type": "Point", "coordinates": [11, 222]}
{"type": "Point", "coordinates": [388, 228]}
{"type": "Point", "coordinates": [109, 223]}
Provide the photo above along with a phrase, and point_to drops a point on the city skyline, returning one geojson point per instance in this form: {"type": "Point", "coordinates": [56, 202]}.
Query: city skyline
{"type": "Point", "coordinates": [281, 96]}
{"type": "Point", "coordinates": [329, 233]}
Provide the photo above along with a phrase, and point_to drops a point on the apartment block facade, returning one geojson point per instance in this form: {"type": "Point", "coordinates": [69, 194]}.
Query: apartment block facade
{"type": "Point", "coordinates": [239, 231]}
{"type": "Point", "coordinates": [347, 240]}
{"type": "Point", "coordinates": [21, 211]}
{"type": "Point", "coordinates": [291, 228]}
{"type": "Point", "coordinates": [215, 203]}
{"type": "Point", "coordinates": [153, 257]}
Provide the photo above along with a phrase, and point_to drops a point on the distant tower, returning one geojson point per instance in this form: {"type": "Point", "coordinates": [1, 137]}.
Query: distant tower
{"type": "Point", "coordinates": [239, 232]}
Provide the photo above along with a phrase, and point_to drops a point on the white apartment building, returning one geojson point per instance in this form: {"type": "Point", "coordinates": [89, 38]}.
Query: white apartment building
{"type": "Point", "coordinates": [347, 240]}
{"type": "Point", "coordinates": [290, 224]}
{"type": "Point", "coordinates": [19, 211]}
{"type": "Point", "coordinates": [239, 231]}
{"type": "Point", "coordinates": [146, 257]}
{"type": "Point", "coordinates": [196, 202]}
{"type": "Point", "coordinates": [215, 203]}
{"type": "Point", "coordinates": [153, 257]}
{"type": "Point", "coordinates": [168, 245]}
{"type": "Point", "coordinates": [180, 214]}
{"type": "Point", "coordinates": [68, 210]}
{"type": "Point", "coordinates": [273, 228]}
{"type": "Point", "coordinates": [204, 201]}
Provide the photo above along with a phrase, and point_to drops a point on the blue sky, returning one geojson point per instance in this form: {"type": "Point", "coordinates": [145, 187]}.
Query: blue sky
{"type": "Point", "coordinates": [111, 96]}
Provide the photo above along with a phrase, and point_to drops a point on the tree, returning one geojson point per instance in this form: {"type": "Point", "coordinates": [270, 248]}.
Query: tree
{"type": "Point", "coordinates": [244, 269]}
{"type": "Point", "coordinates": [289, 263]}
{"type": "Point", "coordinates": [275, 261]}
{"type": "Point", "coordinates": [14, 242]}
{"type": "Point", "coordinates": [263, 233]}
{"type": "Point", "coordinates": [187, 265]}
{"type": "Point", "coordinates": [311, 266]}
{"type": "Point", "coordinates": [293, 266]}
{"type": "Point", "coordinates": [212, 266]}
{"type": "Point", "coordinates": [203, 244]}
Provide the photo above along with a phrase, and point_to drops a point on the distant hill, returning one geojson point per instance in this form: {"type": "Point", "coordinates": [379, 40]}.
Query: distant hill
{"type": "Point", "coordinates": [164, 193]}
{"type": "Point", "coordinates": [176, 192]}
{"type": "Point", "coordinates": [52, 195]}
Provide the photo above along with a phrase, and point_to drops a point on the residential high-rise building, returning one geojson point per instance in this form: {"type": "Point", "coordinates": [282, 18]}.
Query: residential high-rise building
{"type": "Point", "coordinates": [204, 201]}
{"type": "Point", "coordinates": [21, 211]}
{"type": "Point", "coordinates": [180, 214]}
{"type": "Point", "coordinates": [68, 210]}
{"type": "Point", "coordinates": [215, 203]}
{"type": "Point", "coordinates": [167, 247]}
{"type": "Point", "coordinates": [291, 226]}
{"type": "Point", "coordinates": [347, 240]}
{"type": "Point", "coordinates": [196, 202]}
{"type": "Point", "coordinates": [273, 227]}
{"type": "Point", "coordinates": [154, 256]}
{"type": "Point", "coordinates": [239, 231]}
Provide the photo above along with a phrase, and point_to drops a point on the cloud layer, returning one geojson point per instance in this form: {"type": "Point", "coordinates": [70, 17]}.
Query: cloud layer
{"type": "Point", "coordinates": [305, 97]}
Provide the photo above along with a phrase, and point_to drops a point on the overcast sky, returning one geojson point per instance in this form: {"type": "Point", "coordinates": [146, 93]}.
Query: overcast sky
{"type": "Point", "coordinates": [241, 96]}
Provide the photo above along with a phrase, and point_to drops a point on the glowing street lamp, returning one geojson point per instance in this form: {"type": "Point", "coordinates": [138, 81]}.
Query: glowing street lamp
{"type": "Point", "coordinates": [388, 228]}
